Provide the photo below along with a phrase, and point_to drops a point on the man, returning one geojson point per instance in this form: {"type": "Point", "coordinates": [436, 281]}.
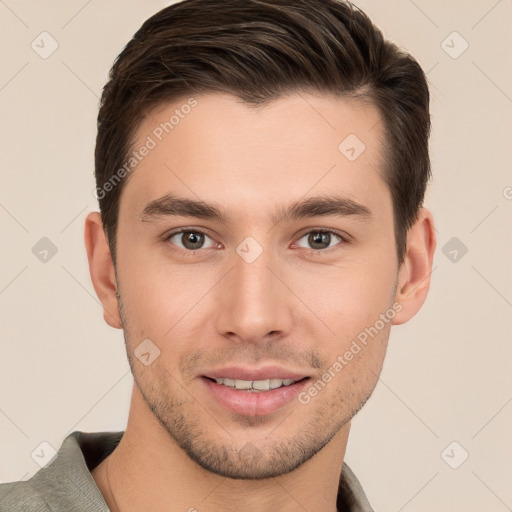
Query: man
{"type": "Point", "coordinates": [261, 167]}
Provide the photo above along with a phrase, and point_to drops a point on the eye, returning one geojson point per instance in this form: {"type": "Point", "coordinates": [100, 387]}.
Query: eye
{"type": "Point", "coordinates": [320, 240]}
{"type": "Point", "coordinates": [190, 239]}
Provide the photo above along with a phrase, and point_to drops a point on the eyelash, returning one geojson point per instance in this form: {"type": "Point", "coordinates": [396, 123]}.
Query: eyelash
{"type": "Point", "coordinates": [316, 252]}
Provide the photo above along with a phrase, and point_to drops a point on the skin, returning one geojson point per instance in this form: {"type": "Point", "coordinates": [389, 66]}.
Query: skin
{"type": "Point", "coordinates": [182, 449]}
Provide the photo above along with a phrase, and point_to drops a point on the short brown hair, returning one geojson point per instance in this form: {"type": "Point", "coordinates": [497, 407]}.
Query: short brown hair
{"type": "Point", "coordinates": [260, 50]}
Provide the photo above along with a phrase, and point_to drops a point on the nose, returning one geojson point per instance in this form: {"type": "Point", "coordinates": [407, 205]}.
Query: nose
{"type": "Point", "coordinates": [253, 301]}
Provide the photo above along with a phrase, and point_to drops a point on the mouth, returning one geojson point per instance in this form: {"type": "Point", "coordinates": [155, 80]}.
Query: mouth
{"type": "Point", "coordinates": [254, 397]}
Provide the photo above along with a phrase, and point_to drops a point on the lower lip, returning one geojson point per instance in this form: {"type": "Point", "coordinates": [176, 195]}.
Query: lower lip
{"type": "Point", "coordinates": [250, 403]}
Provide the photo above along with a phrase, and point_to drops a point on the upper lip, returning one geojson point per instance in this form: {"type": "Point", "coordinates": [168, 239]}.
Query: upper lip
{"type": "Point", "coordinates": [264, 373]}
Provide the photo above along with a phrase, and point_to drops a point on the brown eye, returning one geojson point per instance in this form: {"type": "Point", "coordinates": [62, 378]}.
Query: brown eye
{"type": "Point", "coordinates": [192, 240]}
{"type": "Point", "coordinates": [189, 240]}
{"type": "Point", "coordinates": [321, 240]}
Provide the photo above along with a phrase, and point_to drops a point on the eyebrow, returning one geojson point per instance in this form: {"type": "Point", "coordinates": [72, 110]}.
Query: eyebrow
{"type": "Point", "coordinates": [317, 206]}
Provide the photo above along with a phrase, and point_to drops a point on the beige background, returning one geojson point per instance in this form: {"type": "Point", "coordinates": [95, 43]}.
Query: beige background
{"type": "Point", "coordinates": [447, 376]}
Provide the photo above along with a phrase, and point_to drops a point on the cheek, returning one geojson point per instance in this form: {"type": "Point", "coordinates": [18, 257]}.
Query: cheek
{"type": "Point", "coordinates": [355, 302]}
{"type": "Point", "coordinates": [350, 297]}
{"type": "Point", "coordinates": [151, 287]}
{"type": "Point", "coordinates": [165, 303]}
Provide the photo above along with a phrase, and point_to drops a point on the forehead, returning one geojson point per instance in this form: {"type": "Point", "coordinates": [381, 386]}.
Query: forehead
{"type": "Point", "coordinates": [214, 147]}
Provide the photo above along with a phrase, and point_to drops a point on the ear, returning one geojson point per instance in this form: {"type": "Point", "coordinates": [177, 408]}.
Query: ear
{"type": "Point", "coordinates": [414, 274]}
{"type": "Point", "coordinates": [101, 268]}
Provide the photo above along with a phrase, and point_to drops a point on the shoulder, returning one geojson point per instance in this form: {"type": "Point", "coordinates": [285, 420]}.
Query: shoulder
{"type": "Point", "coordinates": [65, 481]}
{"type": "Point", "coordinates": [21, 497]}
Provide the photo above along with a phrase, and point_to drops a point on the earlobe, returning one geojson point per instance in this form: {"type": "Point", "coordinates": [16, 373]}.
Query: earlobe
{"type": "Point", "coordinates": [414, 274]}
{"type": "Point", "coordinates": [101, 268]}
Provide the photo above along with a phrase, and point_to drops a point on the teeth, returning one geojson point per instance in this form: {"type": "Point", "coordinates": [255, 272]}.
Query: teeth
{"type": "Point", "coordinates": [243, 384]}
{"type": "Point", "coordinates": [255, 385]}
{"type": "Point", "coordinates": [261, 385]}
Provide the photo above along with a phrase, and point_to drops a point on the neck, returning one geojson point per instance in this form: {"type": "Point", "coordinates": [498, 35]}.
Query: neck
{"type": "Point", "coordinates": [149, 471]}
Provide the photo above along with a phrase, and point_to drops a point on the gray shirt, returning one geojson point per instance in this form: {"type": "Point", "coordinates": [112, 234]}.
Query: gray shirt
{"type": "Point", "coordinates": [66, 483]}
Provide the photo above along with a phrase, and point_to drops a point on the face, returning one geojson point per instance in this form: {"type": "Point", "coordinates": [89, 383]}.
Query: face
{"type": "Point", "coordinates": [251, 285]}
